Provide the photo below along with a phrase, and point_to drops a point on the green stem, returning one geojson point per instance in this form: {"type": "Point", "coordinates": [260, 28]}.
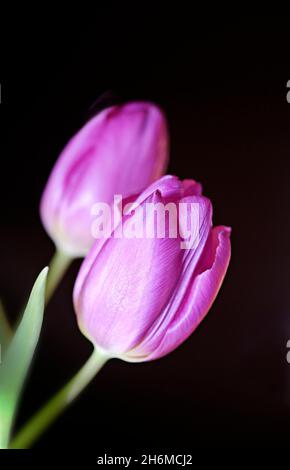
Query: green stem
{"type": "Point", "coordinates": [54, 407]}
{"type": "Point", "coordinates": [5, 330]}
{"type": "Point", "coordinates": [58, 266]}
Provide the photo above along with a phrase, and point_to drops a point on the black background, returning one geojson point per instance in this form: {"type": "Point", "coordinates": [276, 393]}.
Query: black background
{"type": "Point", "coordinates": [222, 83]}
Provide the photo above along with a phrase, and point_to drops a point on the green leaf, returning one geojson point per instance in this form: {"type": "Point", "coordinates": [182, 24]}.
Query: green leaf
{"type": "Point", "coordinates": [18, 357]}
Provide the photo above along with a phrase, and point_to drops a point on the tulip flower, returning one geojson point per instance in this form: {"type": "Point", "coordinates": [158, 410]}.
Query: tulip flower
{"type": "Point", "coordinates": [140, 298]}
{"type": "Point", "coordinates": [120, 151]}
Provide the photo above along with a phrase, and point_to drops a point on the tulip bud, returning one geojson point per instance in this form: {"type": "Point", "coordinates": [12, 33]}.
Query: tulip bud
{"type": "Point", "coordinates": [138, 298]}
{"type": "Point", "coordinates": [119, 151]}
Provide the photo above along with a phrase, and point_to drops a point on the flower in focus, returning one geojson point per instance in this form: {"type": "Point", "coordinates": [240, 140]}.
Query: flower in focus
{"type": "Point", "coordinates": [138, 298]}
{"type": "Point", "coordinates": [120, 151]}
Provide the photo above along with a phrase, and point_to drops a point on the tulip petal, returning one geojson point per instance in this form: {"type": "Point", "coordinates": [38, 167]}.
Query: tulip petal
{"type": "Point", "coordinates": [199, 297]}
{"type": "Point", "coordinates": [191, 259]}
{"type": "Point", "coordinates": [169, 187]}
{"type": "Point", "coordinates": [123, 287]}
{"type": "Point", "coordinates": [191, 188]}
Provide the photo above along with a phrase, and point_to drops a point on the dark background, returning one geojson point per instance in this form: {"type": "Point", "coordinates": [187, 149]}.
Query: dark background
{"type": "Point", "coordinates": [222, 83]}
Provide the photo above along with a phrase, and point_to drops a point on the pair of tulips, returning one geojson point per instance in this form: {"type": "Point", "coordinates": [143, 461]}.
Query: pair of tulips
{"type": "Point", "coordinates": [166, 291]}
{"type": "Point", "coordinates": [135, 299]}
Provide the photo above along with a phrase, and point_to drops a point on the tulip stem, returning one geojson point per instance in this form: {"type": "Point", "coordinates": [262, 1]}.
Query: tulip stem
{"type": "Point", "coordinates": [58, 403]}
{"type": "Point", "coordinates": [58, 266]}
{"type": "Point", "coordinates": [5, 329]}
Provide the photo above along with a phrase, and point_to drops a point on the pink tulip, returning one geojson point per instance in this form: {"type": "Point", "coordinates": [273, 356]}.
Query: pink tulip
{"type": "Point", "coordinates": [119, 151]}
{"type": "Point", "coordinates": [140, 298]}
